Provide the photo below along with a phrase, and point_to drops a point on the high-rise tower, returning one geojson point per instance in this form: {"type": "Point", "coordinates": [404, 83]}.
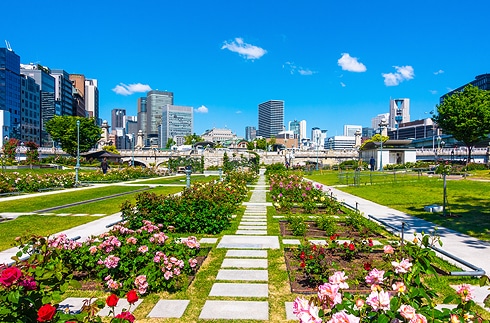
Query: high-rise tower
{"type": "Point", "coordinates": [271, 118]}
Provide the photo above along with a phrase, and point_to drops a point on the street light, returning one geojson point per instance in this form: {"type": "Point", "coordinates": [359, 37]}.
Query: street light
{"type": "Point", "coordinates": [438, 147]}
{"type": "Point", "coordinates": [317, 146]}
{"type": "Point", "coordinates": [382, 124]}
{"type": "Point", "coordinates": [132, 142]}
{"type": "Point", "coordinates": [77, 167]}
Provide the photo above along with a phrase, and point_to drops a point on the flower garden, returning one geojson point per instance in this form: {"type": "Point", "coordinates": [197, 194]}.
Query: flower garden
{"type": "Point", "coordinates": [155, 250]}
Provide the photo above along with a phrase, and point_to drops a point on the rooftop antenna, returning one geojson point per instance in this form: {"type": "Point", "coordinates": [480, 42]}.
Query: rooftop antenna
{"type": "Point", "coordinates": [8, 46]}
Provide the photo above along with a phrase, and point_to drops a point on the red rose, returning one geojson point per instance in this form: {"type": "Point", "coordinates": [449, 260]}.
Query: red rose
{"type": "Point", "coordinates": [46, 313]}
{"type": "Point", "coordinates": [303, 265]}
{"type": "Point", "coordinates": [132, 297]}
{"type": "Point", "coordinates": [367, 266]}
{"type": "Point", "coordinates": [302, 256]}
{"type": "Point", "coordinates": [351, 247]}
{"type": "Point", "coordinates": [112, 300]}
{"type": "Point", "coordinates": [126, 316]}
{"type": "Point", "coordinates": [10, 276]}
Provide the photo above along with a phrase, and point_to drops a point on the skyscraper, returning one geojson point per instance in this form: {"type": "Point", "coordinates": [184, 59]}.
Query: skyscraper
{"type": "Point", "coordinates": [142, 115]}
{"type": "Point", "coordinates": [250, 133]}
{"type": "Point", "coordinates": [271, 118]}
{"type": "Point", "coordinates": [63, 92]}
{"type": "Point", "coordinates": [399, 112]}
{"type": "Point", "coordinates": [92, 99]}
{"type": "Point", "coordinates": [177, 122]}
{"type": "Point", "coordinates": [46, 83]}
{"type": "Point", "coordinates": [78, 82]}
{"type": "Point", "coordinates": [117, 118]}
{"type": "Point", "coordinates": [10, 90]}
{"type": "Point", "coordinates": [155, 102]}
{"type": "Point", "coordinates": [30, 128]}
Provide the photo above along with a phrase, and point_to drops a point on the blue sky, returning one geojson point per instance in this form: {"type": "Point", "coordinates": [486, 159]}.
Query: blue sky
{"type": "Point", "coordinates": [332, 62]}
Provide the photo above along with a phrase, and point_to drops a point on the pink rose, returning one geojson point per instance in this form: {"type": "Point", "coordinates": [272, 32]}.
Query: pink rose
{"type": "Point", "coordinates": [388, 249]}
{"type": "Point", "coordinates": [10, 276]}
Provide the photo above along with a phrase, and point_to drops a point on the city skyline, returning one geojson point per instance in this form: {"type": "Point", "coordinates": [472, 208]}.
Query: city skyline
{"type": "Point", "coordinates": [330, 63]}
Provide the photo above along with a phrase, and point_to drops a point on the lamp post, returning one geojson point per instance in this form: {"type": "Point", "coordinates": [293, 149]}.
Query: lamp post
{"type": "Point", "coordinates": [77, 167]}
{"type": "Point", "coordinates": [317, 144]}
{"type": "Point", "coordinates": [382, 124]}
{"type": "Point", "coordinates": [132, 156]}
{"type": "Point", "coordinates": [438, 147]}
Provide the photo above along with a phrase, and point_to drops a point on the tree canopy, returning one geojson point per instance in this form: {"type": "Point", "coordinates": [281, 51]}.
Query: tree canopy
{"type": "Point", "coordinates": [63, 129]}
{"type": "Point", "coordinates": [192, 139]}
{"type": "Point", "coordinates": [465, 115]}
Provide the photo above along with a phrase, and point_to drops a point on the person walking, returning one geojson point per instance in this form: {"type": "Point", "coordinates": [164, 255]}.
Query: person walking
{"type": "Point", "coordinates": [104, 165]}
{"type": "Point", "coordinates": [372, 162]}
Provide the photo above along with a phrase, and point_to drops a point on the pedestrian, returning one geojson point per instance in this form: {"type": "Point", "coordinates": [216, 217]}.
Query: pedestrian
{"type": "Point", "coordinates": [104, 165]}
{"type": "Point", "coordinates": [372, 162]}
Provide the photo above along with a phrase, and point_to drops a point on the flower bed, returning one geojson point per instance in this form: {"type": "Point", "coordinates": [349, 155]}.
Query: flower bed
{"type": "Point", "coordinates": [204, 208]}
{"type": "Point", "coordinates": [394, 288]}
{"type": "Point", "coordinates": [122, 259]}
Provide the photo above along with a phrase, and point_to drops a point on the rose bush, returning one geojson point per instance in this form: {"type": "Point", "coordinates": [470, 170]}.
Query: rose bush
{"type": "Point", "coordinates": [146, 259]}
{"type": "Point", "coordinates": [397, 294]}
{"type": "Point", "coordinates": [204, 208]}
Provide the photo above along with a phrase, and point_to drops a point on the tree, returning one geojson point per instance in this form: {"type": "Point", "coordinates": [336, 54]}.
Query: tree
{"type": "Point", "coordinates": [192, 139]}
{"type": "Point", "coordinates": [261, 143]}
{"type": "Point", "coordinates": [32, 152]}
{"type": "Point", "coordinates": [465, 115]}
{"type": "Point", "coordinates": [64, 130]}
{"type": "Point", "coordinates": [250, 145]}
{"type": "Point", "coordinates": [170, 143]}
{"type": "Point", "coordinates": [111, 149]}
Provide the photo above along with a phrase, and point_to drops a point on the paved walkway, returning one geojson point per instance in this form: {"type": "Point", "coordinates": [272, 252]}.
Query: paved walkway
{"type": "Point", "coordinates": [243, 276]}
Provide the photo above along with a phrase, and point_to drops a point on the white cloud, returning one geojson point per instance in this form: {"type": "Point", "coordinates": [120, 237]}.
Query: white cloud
{"type": "Point", "coordinates": [300, 70]}
{"type": "Point", "coordinates": [433, 91]}
{"type": "Point", "coordinates": [238, 112]}
{"type": "Point", "coordinates": [438, 72]}
{"type": "Point", "coordinates": [128, 89]}
{"type": "Point", "coordinates": [351, 64]}
{"type": "Point", "coordinates": [246, 50]}
{"type": "Point", "coordinates": [342, 84]}
{"type": "Point", "coordinates": [402, 73]}
{"type": "Point", "coordinates": [201, 109]}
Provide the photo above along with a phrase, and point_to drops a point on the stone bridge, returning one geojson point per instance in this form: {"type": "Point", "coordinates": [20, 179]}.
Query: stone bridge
{"type": "Point", "coordinates": [155, 157]}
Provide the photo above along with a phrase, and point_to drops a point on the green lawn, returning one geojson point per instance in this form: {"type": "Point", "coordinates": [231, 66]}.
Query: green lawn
{"type": "Point", "coordinates": [468, 200]}
{"type": "Point", "coordinates": [38, 225]}
{"type": "Point", "coordinates": [35, 203]}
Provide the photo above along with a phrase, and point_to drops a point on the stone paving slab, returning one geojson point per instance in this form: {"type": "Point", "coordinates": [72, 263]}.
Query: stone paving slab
{"type": "Point", "coordinates": [122, 304]}
{"type": "Point", "coordinates": [253, 223]}
{"type": "Point", "coordinates": [73, 305]}
{"type": "Point", "coordinates": [239, 290]}
{"type": "Point", "coordinates": [235, 310]}
{"type": "Point", "coordinates": [208, 240]}
{"type": "Point", "coordinates": [252, 227]}
{"type": "Point", "coordinates": [289, 311]}
{"type": "Point", "coordinates": [166, 308]}
{"type": "Point", "coordinates": [247, 253]}
{"type": "Point", "coordinates": [291, 241]}
{"type": "Point", "coordinates": [238, 274]}
{"type": "Point", "coordinates": [260, 217]}
{"type": "Point", "coordinates": [244, 263]}
{"type": "Point", "coordinates": [257, 232]}
{"type": "Point", "coordinates": [249, 242]}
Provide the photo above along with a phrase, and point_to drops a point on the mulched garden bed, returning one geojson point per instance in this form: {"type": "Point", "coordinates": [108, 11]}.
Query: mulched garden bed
{"type": "Point", "coordinates": [91, 285]}
{"type": "Point", "coordinates": [313, 231]}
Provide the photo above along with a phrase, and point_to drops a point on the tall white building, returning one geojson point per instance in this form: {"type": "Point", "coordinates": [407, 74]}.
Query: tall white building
{"type": "Point", "coordinates": [399, 112]}
{"type": "Point", "coordinates": [350, 130]}
{"type": "Point", "coordinates": [92, 99]}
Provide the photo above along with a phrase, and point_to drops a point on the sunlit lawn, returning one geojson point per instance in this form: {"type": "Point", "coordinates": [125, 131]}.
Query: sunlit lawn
{"type": "Point", "coordinates": [468, 200]}
{"type": "Point", "coordinates": [38, 225]}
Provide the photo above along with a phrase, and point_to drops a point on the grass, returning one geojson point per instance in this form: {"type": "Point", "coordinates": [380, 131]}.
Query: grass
{"type": "Point", "coordinates": [37, 225]}
{"type": "Point", "coordinates": [468, 200]}
{"type": "Point", "coordinates": [34, 203]}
